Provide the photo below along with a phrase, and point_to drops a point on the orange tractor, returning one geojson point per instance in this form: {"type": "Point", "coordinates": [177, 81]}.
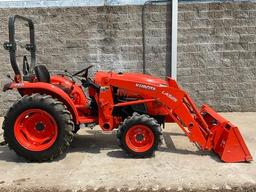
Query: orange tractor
{"type": "Point", "coordinates": [41, 124]}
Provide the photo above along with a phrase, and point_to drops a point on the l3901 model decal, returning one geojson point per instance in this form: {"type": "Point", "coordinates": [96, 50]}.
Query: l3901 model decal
{"type": "Point", "coordinates": [170, 96]}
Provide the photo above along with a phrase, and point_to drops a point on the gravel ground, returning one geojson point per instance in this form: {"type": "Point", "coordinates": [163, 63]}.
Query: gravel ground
{"type": "Point", "coordinates": [42, 189]}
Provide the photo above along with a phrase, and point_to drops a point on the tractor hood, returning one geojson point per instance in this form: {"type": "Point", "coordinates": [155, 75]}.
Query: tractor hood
{"type": "Point", "coordinates": [103, 78]}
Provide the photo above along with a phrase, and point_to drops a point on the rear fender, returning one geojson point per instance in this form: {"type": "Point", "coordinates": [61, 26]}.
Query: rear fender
{"type": "Point", "coordinates": [26, 88]}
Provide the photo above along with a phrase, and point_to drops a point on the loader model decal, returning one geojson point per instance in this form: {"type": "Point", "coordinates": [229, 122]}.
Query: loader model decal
{"type": "Point", "coordinates": [147, 87]}
{"type": "Point", "coordinates": [170, 96]}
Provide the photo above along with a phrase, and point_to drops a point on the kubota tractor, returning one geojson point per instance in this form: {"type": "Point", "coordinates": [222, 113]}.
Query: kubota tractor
{"type": "Point", "coordinates": [40, 126]}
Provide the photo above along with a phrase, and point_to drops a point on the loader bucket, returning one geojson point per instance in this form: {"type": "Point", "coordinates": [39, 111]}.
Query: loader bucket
{"type": "Point", "coordinates": [227, 140]}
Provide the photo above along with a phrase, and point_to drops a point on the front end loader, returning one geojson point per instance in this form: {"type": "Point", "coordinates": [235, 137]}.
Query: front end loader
{"type": "Point", "coordinates": [41, 124]}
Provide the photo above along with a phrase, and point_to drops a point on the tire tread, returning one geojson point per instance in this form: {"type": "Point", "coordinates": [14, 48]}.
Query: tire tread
{"type": "Point", "coordinates": [139, 119]}
{"type": "Point", "coordinates": [60, 111]}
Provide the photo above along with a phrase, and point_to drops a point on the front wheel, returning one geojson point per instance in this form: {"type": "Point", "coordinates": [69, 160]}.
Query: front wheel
{"type": "Point", "coordinates": [38, 127]}
{"type": "Point", "coordinates": [139, 136]}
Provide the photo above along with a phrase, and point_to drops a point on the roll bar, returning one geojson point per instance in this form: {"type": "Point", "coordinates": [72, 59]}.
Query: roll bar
{"type": "Point", "coordinates": [11, 45]}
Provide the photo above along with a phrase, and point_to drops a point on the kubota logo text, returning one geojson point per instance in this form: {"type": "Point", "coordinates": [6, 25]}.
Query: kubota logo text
{"type": "Point", "coordinates": [170, 96]}
{"type": "Point", "coordinates": [148, 87]}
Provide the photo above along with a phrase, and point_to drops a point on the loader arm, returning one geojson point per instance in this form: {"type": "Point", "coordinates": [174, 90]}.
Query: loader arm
{"type": "Point", "coordinates": [173, 99]}
{"type": "Point", "coordinates": [206, 128]}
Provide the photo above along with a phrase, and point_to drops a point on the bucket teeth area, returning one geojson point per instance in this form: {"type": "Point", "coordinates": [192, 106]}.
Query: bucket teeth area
{"type": "Point", "coordinates": [227, 140]}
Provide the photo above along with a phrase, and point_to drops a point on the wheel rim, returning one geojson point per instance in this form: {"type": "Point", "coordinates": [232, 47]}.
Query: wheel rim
{"type": "Point", "coordinates": [35, 130]}
{"type": "Point", "coordinates": [139, 138]}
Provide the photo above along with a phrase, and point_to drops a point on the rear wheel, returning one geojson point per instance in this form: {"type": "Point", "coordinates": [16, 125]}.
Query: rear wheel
{"type": "Point", "coordinates": [38, 127]}
{"type": "Point", "coordinates": [139, 136]}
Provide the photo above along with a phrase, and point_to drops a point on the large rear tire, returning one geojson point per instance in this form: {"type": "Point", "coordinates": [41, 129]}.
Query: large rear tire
{"type": "Point", "coordinates": [139, 136]}
{"type": "Point", "coordinates": [38, 127]}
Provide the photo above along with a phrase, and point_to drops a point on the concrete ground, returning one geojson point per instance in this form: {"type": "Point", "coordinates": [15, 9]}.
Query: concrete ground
{"type": "Point", "coordinates": [95, 162]}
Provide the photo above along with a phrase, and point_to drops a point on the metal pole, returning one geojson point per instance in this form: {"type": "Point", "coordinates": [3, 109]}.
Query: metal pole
{"type": "Point", "coordinates": [174, 39]}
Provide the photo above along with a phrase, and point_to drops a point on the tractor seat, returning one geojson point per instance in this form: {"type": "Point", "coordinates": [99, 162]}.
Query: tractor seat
{"type": "Point", "coordinates": [42, 73]}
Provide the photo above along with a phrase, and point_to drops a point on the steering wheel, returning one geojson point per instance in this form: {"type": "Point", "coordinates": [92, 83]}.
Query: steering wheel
{"type": "Point", "coordinates": [85, 71]}
{"type": "Point", "coordinates": [87, 81]}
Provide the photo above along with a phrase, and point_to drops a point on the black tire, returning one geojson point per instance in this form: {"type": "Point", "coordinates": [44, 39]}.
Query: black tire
{"type": "Point", "coordinates": [59, 113]}
{"type": "Point", "coordinates": [138, 119]}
